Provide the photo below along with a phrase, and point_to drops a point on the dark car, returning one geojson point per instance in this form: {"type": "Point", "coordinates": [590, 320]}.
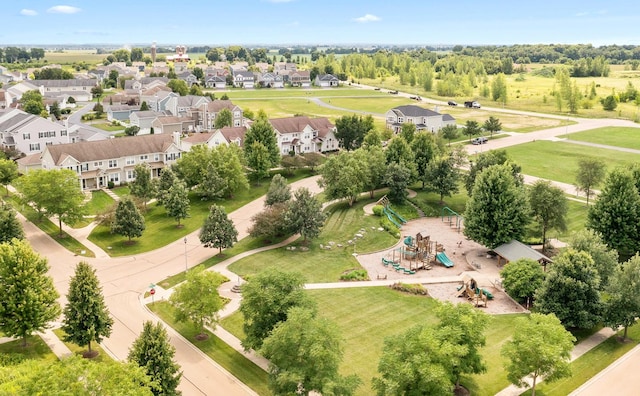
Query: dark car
{"type": "Point", "coordinates": [452, 103]}
{"type": "Point", "coordinates": [479, 140]}
{"type": "Point", "coordinates": [393, 92]}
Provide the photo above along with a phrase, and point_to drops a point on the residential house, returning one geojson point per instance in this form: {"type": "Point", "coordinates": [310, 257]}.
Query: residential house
{"type": "Point", "coordinates": [217, 82]}
{"type": "Point", "coordinates": [30, 133]}
{"type": "Point", "coordinates": [79, 89]}
{"type": "Point", "coordinates": [214, 107]}
{"type": "Point", "coordinates": [327, 80]}
{"type": "Point", "coordinates": [301, 78]}
{"type": "Point", "coordinates": [279, 66]}
{"type": "Point", "coordinates": [423, 119]}
{"type": "Point", "coordinates": [120, 112]}
{"type": "Point", "coordinates": [263, 67]}
{"type": "Point", "coordinates": [185, 105]}
{"type": "Point", "coordinates": [144, 120]}
{"type": "Point", "coordinates": [226, 135]}
{"type": "Point", "coordinates": [270, 80]}
{"type": "Point", "coordinates": [113, 160]}
{"type": "Point", "coordinates": [304, 135]}
{"type": "Point", "coordinates": [243, 79]}
{"type": "Point", "coordinates": [171, 124]}
{"type": "Point", "coordinates": [155, 97]}
{"type": "Point", "coordinates": [188, 77]}
{"type": "Point", "coordinates": [145, 83]}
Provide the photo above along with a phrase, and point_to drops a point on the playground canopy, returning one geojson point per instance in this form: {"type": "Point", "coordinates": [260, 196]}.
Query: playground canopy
{"type": "Point", "coordinates": [516, 250]}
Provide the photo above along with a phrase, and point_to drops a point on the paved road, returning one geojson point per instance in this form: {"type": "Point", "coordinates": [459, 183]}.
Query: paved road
{"type": "Point", "coordinates": [618, 379]}
{"type": "Point", "coordinates": [75, 118]}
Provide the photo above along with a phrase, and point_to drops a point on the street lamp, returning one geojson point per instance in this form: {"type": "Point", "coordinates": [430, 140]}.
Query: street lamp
{"type": "Point", "coordinates": [186, 264]}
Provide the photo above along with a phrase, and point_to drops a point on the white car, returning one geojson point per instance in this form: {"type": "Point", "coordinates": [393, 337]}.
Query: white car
{"type": "Point", "coordinates": [479, 140]}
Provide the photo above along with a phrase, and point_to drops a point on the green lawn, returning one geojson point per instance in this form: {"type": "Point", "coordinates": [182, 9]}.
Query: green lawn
{"type": "Point", "coordinates": [99, 202]}
{"type": "Point", "coordinates": [321, 265]}
{"type": "Point", "coordinates": [430, 202]}
{"type": "Point", "coordinates": [121, 191]}
{"type": "Point", "coordinates": [375, 104]}
{"type": "Point", "coordinates": [233, 361]}
{"type": "Point", "coordinates": [559, 160]}
{"type": "Point", "coordinates": [78, 350]}
{"type": "Point", "coordinates": [277, 108]}
{"type": "Point", "coordinates": [299, 92]}
{"type": "Point", "coordinates": [36, 349]}
{"type": "Point", "coordinates": [107, 126]}
{"type": "Point", "coordinates": [162, 230]}
{"type": "Point", "coordinates": [611, 136]}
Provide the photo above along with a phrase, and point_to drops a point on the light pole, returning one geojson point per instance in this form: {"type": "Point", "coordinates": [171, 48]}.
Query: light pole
{"type": "Point", "coordinates": [186, 264]}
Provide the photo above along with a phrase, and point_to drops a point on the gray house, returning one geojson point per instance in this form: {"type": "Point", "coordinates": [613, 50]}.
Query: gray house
{"type": "Point", "coordinates": [423, 119]}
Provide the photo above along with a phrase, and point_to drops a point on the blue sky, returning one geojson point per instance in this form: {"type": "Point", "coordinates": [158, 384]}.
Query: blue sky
{"type": "Point", "coordinates": [214, 22]}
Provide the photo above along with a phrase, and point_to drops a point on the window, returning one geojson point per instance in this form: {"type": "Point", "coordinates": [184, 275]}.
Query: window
{"type": "Point", "coordinates": [26, 136]}
{"type": "Point", "coordinates": [400, 120]}
{"type": "Point", "coordinates": [97, 164]}
{"type": "Point", "coordinates": [156, 157]}
{"type": "Point", "coordinates": [34, 147]}
{"type": "Point", "coordinates": [49, 143]}
{"type": "Point", "coordinates": [315, 133]}
{"type": "Point", "coordinates": [114, 177]}
{"type": "Point", "coordinates": [113, 163]}
{"type": "Point", "coordinates": [172, 156]}
{"type": "Point", "coordinates": [306, 136]}
{"type": "Point", "coordinates": [131, 175]}
{"type": "Point", "coordinates": [47, 134]}
{"type": "Point", "coordinates": [144, 157]}
{"type": "Point", "coordinates": [84, 167]}
{"type": "Point", "coordinates": [236, 114]}
{"type": "Point", "coordinates": [63, 132]}
{"type": "Point", "coordinates": [131, 160]}
{"type": "Point", "coordinates": [236, 123]}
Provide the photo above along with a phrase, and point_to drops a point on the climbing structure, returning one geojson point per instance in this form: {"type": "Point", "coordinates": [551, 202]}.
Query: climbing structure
{"type": "Point", "coordinates": [394, 217]}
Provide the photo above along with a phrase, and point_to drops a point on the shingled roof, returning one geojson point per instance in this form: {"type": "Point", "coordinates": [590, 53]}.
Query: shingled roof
{"type": "Point", "coordinates": [414, 111]}
{"type": "Point", "coordinates": [297, 124]}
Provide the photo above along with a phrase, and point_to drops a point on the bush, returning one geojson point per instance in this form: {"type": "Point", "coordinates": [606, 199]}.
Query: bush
{"type": "Point", "coordinates": [388, 226]}
{"type": "Point", "coordinates": [417, 288]}
{"type": "Point", "coordinates": [110, 185]}
{"type": "Point", "coordinates": [377, 210]}
{"type": "Point", "coordinates": [355, 274]}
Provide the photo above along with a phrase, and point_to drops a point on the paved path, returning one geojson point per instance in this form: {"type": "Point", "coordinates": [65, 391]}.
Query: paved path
{"type": "Point", "coordinates": [617, 379]}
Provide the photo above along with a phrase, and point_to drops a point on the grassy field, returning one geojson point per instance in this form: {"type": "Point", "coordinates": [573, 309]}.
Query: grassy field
{"type": "Point", "coordinates": [36, 349]}
{"type": "Point", "coordinates": [107, 126]}
{"type": "Point", "coordinates": [99, 202]}
{"type": "Point", "coordinates": [78, 350]}
{"type": "Point", "coordinates": [278, 108]}
{"type": "Point", "coordinates": [74, 56]}
{"type": "Point", "coordinates": [611, 136]}
{"type": "Point", "coordinates": [559, 160]}
{"type": "Point", "coordinates": [287, 93]}
{"type": "Point", "coordinates": [233, 361]}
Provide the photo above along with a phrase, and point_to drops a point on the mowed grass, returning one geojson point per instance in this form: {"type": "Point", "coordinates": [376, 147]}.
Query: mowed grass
{"type": "Point", "coordinates": [230, 359]}
{"type": "Point", "coordinates": [278, 108]}
{"type": "Point", "coordinates": [36, 349]}
{"type": "Point", "coordinates": [99, 202]}
{"type": "Point", "coordinates": [322, 265]}
{"type": "Point", "coordinates": [107, 126]}
{"type": "Point", "coordinates": [431, 205]}
{"type": "Point", "coordinates": [78, 350]}
{"type": "Point", "coordinates": [74, 56]}
{"type": "Point", "coordinates": [559, 160]}
{"type": "Point", "coordinates": [284, 93]}
{"type": "Point", "coordinates": [626, 137]}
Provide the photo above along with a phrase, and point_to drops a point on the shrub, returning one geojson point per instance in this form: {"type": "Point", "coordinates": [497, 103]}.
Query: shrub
{"type": "Point", "coordinates": [110, 185]}
{"type": "Point", "coordinates": [417, 288]}
{"type": "Point", "coordinates": [355, 274]}
{"type": "Point", "coordinates": [377, 210]}
{"type": "Point", "coordinates": [388, 226]}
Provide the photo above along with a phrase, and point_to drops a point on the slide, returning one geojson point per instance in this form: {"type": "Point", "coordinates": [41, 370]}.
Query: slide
{"type": "Point", "coordinates": [402, 220]}
{"type": "Point", "coordinates": [442, 257]}
{"type": "Point", "coordinates": [390, 217]}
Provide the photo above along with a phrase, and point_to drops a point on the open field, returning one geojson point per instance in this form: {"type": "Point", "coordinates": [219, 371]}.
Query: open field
{"type": "Point", "coordinates": [278, 108]}
{"type": "Point", "coordinates": [611, 136]}
{"type": "Point", "coordinates": [285, 93]}
{"type": "Point", "coordinates": [74, 56]}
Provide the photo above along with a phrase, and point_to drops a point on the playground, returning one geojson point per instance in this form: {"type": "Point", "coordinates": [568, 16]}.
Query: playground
{"type": "Point", "coordinates": [432, 251]}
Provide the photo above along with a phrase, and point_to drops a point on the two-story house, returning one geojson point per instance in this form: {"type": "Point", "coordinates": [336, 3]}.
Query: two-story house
{"type": "Point", "coordinates": [171, 124]}
{"type": "Point", "coordinates": [327, 80]}
{"type": "Point", "coordinates": [144, 120]}
{"type": "Point", "coordinates": [270, 80]}
{"type": "Point", "coordinates": [79, 89]}
{"type": "Point", "coordinates": [215, 81]}
{"type": "Point", "coordinates": [113, 160]}
{"type": "Point", "coordinates": [226, 135]}
{"type": "Point", "coordinates": [423, 119]}
{"type": "Point", "coordinates": [216, 106]}
{"type": "Point", "coordinates": [304, 135]}
{"type": "Point", "coordinates": [30, 133]}
{"type": "Point", "coordinates": [243, 79]}
{"type": "Point", "coordinates": [301, 78]}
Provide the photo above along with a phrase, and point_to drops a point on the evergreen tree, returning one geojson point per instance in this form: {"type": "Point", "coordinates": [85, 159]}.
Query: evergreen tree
{"type": "Point", "coordinates": [305, 214]}
{"type": "Point", "coordinates": [10, 227]}
{"type": "Point", "coordinates": [29, 297]}
{"type": "Point", "coordinates": [144, 106]}
{"type": "Point", "coordinates": [178, 203]}
{"type": "Point", "coordinates": [153, 352]}
{"type": "Point", "coordinates": [86, 316]}
{"type": "Point", "coordinates": [218, 231]}
{"type": "Point", "coordinates": [262, 131]}
{"type": "Point", "coordinates": [128, 220]}
{"type": "Point", "coordinates": [279, 191]}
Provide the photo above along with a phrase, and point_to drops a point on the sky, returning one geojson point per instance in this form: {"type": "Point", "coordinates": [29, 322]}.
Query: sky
{"type": "Point", "coordinates": [320, 22]}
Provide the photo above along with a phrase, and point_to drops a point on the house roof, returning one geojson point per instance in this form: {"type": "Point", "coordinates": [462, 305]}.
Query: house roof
{"type": "Point", "coordinates": [234, 134]}
{"type": "Point", "coordinates": [414, 111]}
{"type": "Point", "coordinates": [297, 124]}
{"type": "Point", "coordinates": [217, 105]}
{"type": "Point", "coordinates": [113, 108]}
{"type": "Point", "coordinates": [327, 77]}
{"type": "Point", "coordinates": [19, 117]}
{"type": "Point", "coordinates": [516, 250]}
{"type": "Point", "coordinates": [111, 148]}
{"type": "Point", "coordinates": [197, 138]}
{"type": "Point", "coordinates": [92, 82]}
{"type": "Point", "coordinates": [447, 117]}
{"type": "Point", "coordinates": [30, 160]}
{"type": "Point", "coordinates": [190, 100]}
{"type": "Point", "coordinates": [168, 120]}
{"type": "Point", "coordinates": [147, 114]}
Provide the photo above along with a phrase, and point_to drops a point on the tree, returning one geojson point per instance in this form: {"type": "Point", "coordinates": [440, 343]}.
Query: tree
{"type": "Point", "coordinates": [374, 167]}
{"type": "Point", "coordinates": [177, 203]}
{"type": "Point", "coordinates": [604, 258]}
{"type": "Point", "coordinates": [262, 131]}
{"type": "Point", "coordinates": [571, 290]}
{"type": "Point", "coordinates": [54, 192]}
{"type": "Point", "coordinates": [279, 191]}
{"type": "Point", "coordinates": [8, 173]}
{"type": "Point", "coordinates": [258, 160]}
{"type": "Point", "coordinates": [212, 185]}
{"type": "Point", "coordinates": [271, 222]}
{"type": "Point", "coordinates": [540, 347]}
{"type": "Point", "coordinates": [351, 130]}
{"type": "Point", "coordinates": [178, 86]}
{"type": "Point", "coordinates": [167, 179]}
{"type": "Point", "coordinates": [499, 88]}
{"type": "Point", "coordinates": [305, 353]}
{"type": "Point", "coordinates": [609, 103]}
{"type": "Point", "coordinates": [132, 130]}
{"type": "Point", "coordinates": [397, 177]}
{"type": "Point", "coordinates": [399, 151]}
{"type": "Point", "coordinates": [408, 131]}
{"type": "Point", "coordinates": [425, 148]}
{"type": "Point", "coordinates": [616, 214]}
{"type": "Point", "coordinates": [522, 278]}
{"type": "Point", "coordinates": [144, 106]}
{"type": "Point", "coordinates": [29, 297]}
{"type": "Point", "coordinates": [471, 128]}
{"type": "Point", "coordinates": [342, 176]}
{"type": "Point", "coordinates": [485, 160]}
{"type": "Point", "coordinates": [86, 316]}
{"type": "Point", "coordinates": [492, 125]}
{"type": "Point", "coordinates": [10, 227]}
{"type": "Point", "coordinates": [304, 214]}
{"type": "Point", "coordinates": [98, 109]}
{"type": "Point", "coordinates": [590, 174]}
{"type": "Point", "coordinates": [549, 207]}
{"type": "Point", "coordinates": [153, 352]}
{"type": "Point", "coordinates": [497, 211]}
{"type": "Point", "coordinates": [136, 54]}
{"type": "Point", "coordinates": [54, 110]}
{"type": "Point", "coordinates": [218, 231]}
{"type": "Point", "coordinates": [223, 119]}
{"type": "Point", "coordinates": [229, 162]}
{"type": "Point", "coordinates": [266, 300]}
{"type": "Point", "coordinates": [142, 187]}
{"type": "Point", "coordinates": [197, 300]}
{"type": "Point", "coordinates": [443, 176]}
{"type": "Point", "coordinates": [450, 132]}
{"type": "Point", "coordinates": [128, 220]}
{"type": "Point", "coordinates": [31, 102]}
{"type": "Point", "coordinates": [622, 306]}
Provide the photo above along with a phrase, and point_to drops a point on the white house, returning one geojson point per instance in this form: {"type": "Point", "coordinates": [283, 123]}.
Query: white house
{"type": "Point", "coordinates": [423, 119]}
{"type": "Point", "coordinates": [226, 135]}
{"type": "Point", "coordinates": [79, 89]}
{"type": "Point", "coordinates": [327, 80]}
{"type": "Point", "coordinates": [304, 135]}
{"type": "Point", "coordinates": [243, 79]}
{"type": "Point", "coordinates": [215, 107]}
{"type": "Point", "coordinates": [30, 133]}
{"type": "Point", "coordinates": [144, 120]}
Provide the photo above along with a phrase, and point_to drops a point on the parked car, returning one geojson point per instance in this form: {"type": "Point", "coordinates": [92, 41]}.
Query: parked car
{"type": "Point", "coordinates": [452, 103]}
{"type": "Point", "coordinates": [479, 140]}
{"type": "Point", "coordinates": [393, 92]}
{"type": "Point", "coordinates": [415, 98]}
{"type": "Point", "coordinates": [376, 89]}
{"type": "Point", "coordinates": [472, 104]}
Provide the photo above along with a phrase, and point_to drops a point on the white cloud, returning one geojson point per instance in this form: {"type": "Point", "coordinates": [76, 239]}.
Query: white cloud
{"type": "Point", "coordinates": [63, 9]}
{"type": "Point", "coordinates": [367, 18]}
{"type": "Point", "coordinates": [28, 12]}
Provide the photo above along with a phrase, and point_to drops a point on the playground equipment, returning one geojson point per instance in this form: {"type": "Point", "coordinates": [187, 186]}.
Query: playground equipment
{"type": "Point", "coordinates": [444, 259]}
{"type": "Point", "coordinates": [394, 217]}
{"type": "Point", "coordinates": [470, 289]}
{"type": "Point", "coordinates": [454, 219]}
{"type": "Point", "coordinates": [419, 251]}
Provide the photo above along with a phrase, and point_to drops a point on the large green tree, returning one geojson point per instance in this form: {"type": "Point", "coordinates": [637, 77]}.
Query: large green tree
{"type": "Point", "coordinates": [8, 173]}
{"type": "Point", "coordinates": [397, 177]}
{"type": "Point", "coordinates": [197, 300]}
{"type": "Point", "coordinates": [549, 207]}
{"type": "Point", "coordinates": [86, 316]}
{"type": "Point", "coordinates": [591, 172]}
{"type": "Point", "coordinates": [443, 176]}
{"type": "Point", "coordinates": [497, 211]}
{"type": "Point", "coordinates": [54, 192]}
{"type": "Point", "coordinates": [351, 130]}
{"type": "Point", "coordinates": [212, 185]}
{"type": "Point", "coordinates": [540, 347]}
{"type": "Point", "coordinates": [167, 179]}
{"type": "Point", "coordinates": [450, 132]}
{"type": "Point", "coordinates": [10, 227]}
{"type": "Point", "coordinates": [485, 160]}
{"type": "Point", "coordinates": [142, 187]}
{"type": "Point", "coordinates": [29, 297]}
{"type": "Point", "coordinates": [571, 290]}
{"type": "Point", "coordinates": [472, 128]}
{"type": "Point", "coordinates": [153, 352]}
{"type": "Point", "coordinates": [304, 214]}
{"type": "Point", "coordinates": [522, 278]}
{"type": "Point", "coordinates": [266, 299]}
{"type": "Point", "coordinates": [271, 222]}
{"type": "Point", "coordinates": [604, 258]}
{"type": "Point", "coordinates": [305, 352]}
{"type": "Point", "coordinates": [616, 213]}
{"type": "Point", "coordinates": [425, 149]}
{"type": "Point", "coordinates": [374, 168]}
{"type": "Point", "coordinates": [178, 86]}
{"type": "Point", "coordinates": [622, 305]}
{"type": "Point", "coordinates": [492, 125]}
{"type": "Point", "coordinates": [218, 231]}
{"type": "Point", "coordinates": [343, 176]}
{"type": "Point", "coordinates": [258, 160]}
{"type": "Point", "coordinates": [279, 191]}
{"type": "Point", "coordinates": [223, 119]}
{"type": "Point", "coordinates": [177, 203]}
{"type": "Point", "coordinates": [128, 220]}
{"type": "Point", "coordinates": [262, 131]}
